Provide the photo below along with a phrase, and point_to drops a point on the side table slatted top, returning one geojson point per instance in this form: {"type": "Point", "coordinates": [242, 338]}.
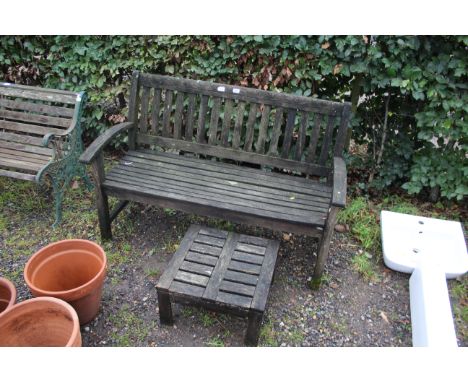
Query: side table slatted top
{"type": "Point", "coordinates": [222, 271]}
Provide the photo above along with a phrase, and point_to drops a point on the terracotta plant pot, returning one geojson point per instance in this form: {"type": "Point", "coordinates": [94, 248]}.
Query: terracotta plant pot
{"type": "Point", "coordinates": [72, 270]}
{"type": "Point", "coordinates": [7, 294]}
{"type": "Point", "coordinates": [42, 321]}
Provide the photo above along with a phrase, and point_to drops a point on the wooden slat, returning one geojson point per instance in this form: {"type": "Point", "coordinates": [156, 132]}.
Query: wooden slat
{"type": "Point", "coordinates": [250, 269]}
{"type": "Point", "coordinates": [155, 111]}
{"type": "Point", "coordinates": [213, 232]}
{"type": "Point", "coordinates": [247, 258]}
{"type": "Point", "coordinates": [253, 240]}
{"type": "Point", "coordinates": [186, 289]}
{"type": "Point", "coordinates": [201, 119]}
{"type": "Point", "coordinates": [276, 134]}
{"type": "Point", "coordinates": [133, 108]}
{"type": "Point", "coordinates": [210, 240]}
{"type": "Point", "coordinates": [26, 156]}
{"type": "Point", "coordinates": [236, 136]}
{"type": "Point", "coordinates": [342, 132]}
{"type": "Point", "coordinates": [242, 93]}
{"type": "Point", "coordinates": [214, 283]}
{"type": "Point", "coordinates": [266, 275]}
{"type": "Point", "coordinates": [143, 125]}
{"type": "Point", "coordinates": [17, 175]}
{"type": "Point", "coordinates": [26, 148]}
{"type": "Point", "coordinates": [240, 277]}
{"type": "Point", "coordinates": [301, 139]}
{"type": "Point", "coordinates": [190, 117]}
{"type": "Point", "coordinates": [26, 139]}
{"type": "Point", "coordinates": [38, 94]}
{"type": "Point", "coordinates": [234, 299]}
{"type": "Point", "coordinates": [250, 128]}
{"type": "Point", "coordinates": [201, 259]}
{"type": "Point", "coordinates": [314, 136]}
{"type": "Point", "coordinates": [237, 288]}
{"type": "Point", "coordinates": [178, 115]}
{"type": "Point", "coordinates": [167, 114]}
{"type": "Point", "coordinates": [226, 123]}
{"type": "Point", "coordinates": [250, 248]}
{"type": "Point", "coordinates": [35, 118]}
{"type": "Point", "coordinates": [262, 135]}
{"type": "Point", "coordinates": [213, 132]}
{"type": "Point", "coordinates": [196, 268]}
{"type": "Point", "coordinates": [177, 259]}
{"type": "Point", "coordinates": [327, 139]}
{"type": "Point", "coordinates": [41, 108]}
{"type": "Point", "coordinates": [25, 128]}
{"type": "Point", "coordinates": [191, 278]}
{"type": "Point", "coordinates": [238, 155]}
{"type": "Point", "coordinates": [19, 164]}
{"type": "Point", "coordinates": [288, 133]}
{"type": "Point", "coordinates": [205, 249]}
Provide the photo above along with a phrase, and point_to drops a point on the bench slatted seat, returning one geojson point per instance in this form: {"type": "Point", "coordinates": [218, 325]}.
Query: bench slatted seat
{"type": "Point", "coordinates": [40, 136]}
{"type": "Point", "coordinates": [251, 156]}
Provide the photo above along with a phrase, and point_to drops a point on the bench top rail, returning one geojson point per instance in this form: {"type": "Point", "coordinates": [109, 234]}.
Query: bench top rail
{"type": "Point", "coordinates": [238, 123]}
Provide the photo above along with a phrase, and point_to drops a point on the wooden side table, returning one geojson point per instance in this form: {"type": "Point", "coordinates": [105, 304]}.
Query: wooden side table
{"type": "Point", "coordinates": [221, 271]}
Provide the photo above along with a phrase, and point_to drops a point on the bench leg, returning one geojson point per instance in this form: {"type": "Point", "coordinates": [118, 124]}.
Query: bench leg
{"type": "Point", "coordinates": [165, 308]}
{"type": "Point", "coordinates": [253, 328]}
{"type": "Point", "coordinates": [324, 246]}
{"type": "Point", "coordinates": [102, 202]}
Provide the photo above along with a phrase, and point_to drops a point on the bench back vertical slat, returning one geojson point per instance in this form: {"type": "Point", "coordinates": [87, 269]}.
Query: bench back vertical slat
{"type": "Point", "coordinates": [242, 120]}
{"type": "Point", "coordinates": [143, 125]}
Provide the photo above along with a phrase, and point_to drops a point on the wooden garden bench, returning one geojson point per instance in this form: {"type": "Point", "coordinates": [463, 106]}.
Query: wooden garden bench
{"type": "Point", "coordinates": [40, 136]}
{"type": "Point", "coordinates": [250, 156]}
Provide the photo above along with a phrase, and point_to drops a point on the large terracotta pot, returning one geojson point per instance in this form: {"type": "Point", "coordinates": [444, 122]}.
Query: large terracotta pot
{"type": "Point", "coordinates": [72, 270]}
{"type": "Point", "coordinates": [7, 294]}
{"type": "Point", "coordinates": [42, 321]}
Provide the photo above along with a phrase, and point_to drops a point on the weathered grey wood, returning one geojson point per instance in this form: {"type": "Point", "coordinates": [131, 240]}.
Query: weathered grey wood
{"type": "Point", "coordinates": [20, 164]}
{"type": "Point", "coordinates": [27, 128]}
{"type": "Point", "coordinates": [201, 259]}
{"type": "Point", "coordinates": [226, 123]}
{"type": "Point", "coordinates": [253, 328]}
{"type": "Point", "coordinates": [342, 132]}
{"type": "Point", "coordinates": [240, 277]}
{"type": "Point", "coordinates": [250, 128]}
{"type": "Point", "coordinates": [247, 258]}
{"type": "Point", "coordinates": [276, 134]}
{"type": "Point", "coordinates": [56, 111]}
{"type": "Point", "coordinates": [213, 132]}
{"type": "Point", "coordinates": [213, 232]}
{"type": "Point", "coordinates": [21, 147]}
{"type": "Point", "coordinates": [165, 309]}
{"type": "Point", "coordinates": [181, 288]}
{"type": "Point", "coordinates": [178, 115]}
{"type": "Point", "coordinates": [216, 278]}
{"type": "Point", "coordinates": [262, 135]}
{"type": "Point", "coordinates": [166, 127]}
{"type": "Point", "coordinates": [314, 138]}
{"type": "Point", "coordinates": [236, 136]}
{"type": "Point", "coordinates": [250, 269]}
{"type": "Point", "coordinates": [253, 240]}
{"type": "Point", "coordinates": [213, 241]}
{"type": "Point", "coordinates": [236, 288]}
{"type": "Point", "coordinates": [205, 249]}
{"type": "Point", "coordinates": [242, 93]}
{"type": "Point", "coordinates": [26, 139]}
{"type": "Point", "coordinates": [339, 182]}
{"type": "Point", "coordinates": [102, 202]}
{"type": "Point", "coordinates": [234, 299]}
{"type": "Point", "coordinates": [133, 109]}
{"type": "Point", "coordinates": [156, 110]}
{"type": "Point", "coordinates": [228, 153]}
{"type": "Point", "coordinates": [302, 135]}
{"type": "Point", "coordinates": [191, 278]}
{"type": "Point", "coordinates": [24, 155]}
{"type": "Point", "coordinates": [190, 117]}
{"type": "Point", "coordinates": [288, 133]}
{"type": "Point", "coordinates": [17, 175]}
{"type": "Point", "coordinates": [42, 94]}
{"type": "Point", "coordinates": [34, 118]}
{"type": "Point", "coordinates": [143, 126]}
{"type": "Point", "coordinates": [201, 119]}
{"type": "Point", "coordinates": [200, 269]}
{"type": "Point", "coordinates": [327, 141]}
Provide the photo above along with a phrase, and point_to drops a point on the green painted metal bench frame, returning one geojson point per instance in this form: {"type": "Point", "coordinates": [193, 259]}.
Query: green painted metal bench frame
{"type": "Point", "coordinates": [40, 137]}
{"type": "Point", "coordinates": [251, 156]}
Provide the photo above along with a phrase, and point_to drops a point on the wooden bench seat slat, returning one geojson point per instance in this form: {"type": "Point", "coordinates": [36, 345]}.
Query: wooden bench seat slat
{"type": "Point", "coordinates": [34, 118]}
{"type": "Point", "coordinates": [234, 299]}
{"type": "Point", "coordinates": [19, 164]}
{"type": "Point", "coordinates": [42, 94]}
{"type": "Point", "coordinates": [17, 175]}
{"type": "Point", "coordinates": [213, 232]}
{"type": "Point", "coordinates": [210, 240]}
{"type": "Point", "coordinates": [55, 111]}
{"type": "Point", "coordinates": [201, 259]}
{"type": "Point", "coordinates": [260, 241]}
{"type": "Point", "coordinates": [205, 249]}
{"type": "Point", "coordinates": [247, 258]}
{"type": "Point", "coordinates": [200, 269]}
{"type": "Point", "coordinates": [26, 128]}
{"type": "Point", "coordinates": [183, 288]}
{"type": "Point", "coordinates": [27, 156]}
{"type": "Point", "coordinates": [191, 278]}
{"type": "Point", "coordinates": [250, 248]}
{"type": "Point", "coordinates": [237, 288]}
{"type": "Point", "coordinates": [240, 277]}
{"type": "Point", "coordinates": [25, 148]}
{"type": "Point", "coordinates": [245, 268]}
{"type": "Point", "coordinates": [20, 138]}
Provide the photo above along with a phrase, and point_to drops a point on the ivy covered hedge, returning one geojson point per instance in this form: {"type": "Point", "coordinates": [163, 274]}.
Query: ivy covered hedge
{"type": "Point", "coordinates": [409, 92]}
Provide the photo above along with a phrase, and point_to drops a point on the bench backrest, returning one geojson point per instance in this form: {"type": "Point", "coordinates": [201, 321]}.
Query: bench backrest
{"type": "Point", "coordinates": [27, 113]}
{"type": "Point", "coordinates": [237, 123]}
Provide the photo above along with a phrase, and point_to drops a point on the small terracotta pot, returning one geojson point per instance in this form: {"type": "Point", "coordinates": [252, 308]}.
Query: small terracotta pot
{"type": "Point", "coordinates": [42, 321]}
{"type": "Point", "coordinates": [72, 270]}
{"type": "Point", "coordinates": [7, 294]}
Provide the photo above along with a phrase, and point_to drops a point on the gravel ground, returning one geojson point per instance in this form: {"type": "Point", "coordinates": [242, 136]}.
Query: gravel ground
{"type": "Point", "coordinates": [347, 310]}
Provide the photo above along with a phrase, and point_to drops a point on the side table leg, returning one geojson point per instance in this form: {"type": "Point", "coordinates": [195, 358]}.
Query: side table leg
{"type": "Point", "coordinates": [165, 309]}
{"type": "Point", "coordinates": [253, 328]}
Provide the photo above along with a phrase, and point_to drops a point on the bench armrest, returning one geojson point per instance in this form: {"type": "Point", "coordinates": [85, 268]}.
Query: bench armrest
{"type": "Point", "coordinates": [102, 141]}
{"type": "Point", "coordinates": [339, 182]}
